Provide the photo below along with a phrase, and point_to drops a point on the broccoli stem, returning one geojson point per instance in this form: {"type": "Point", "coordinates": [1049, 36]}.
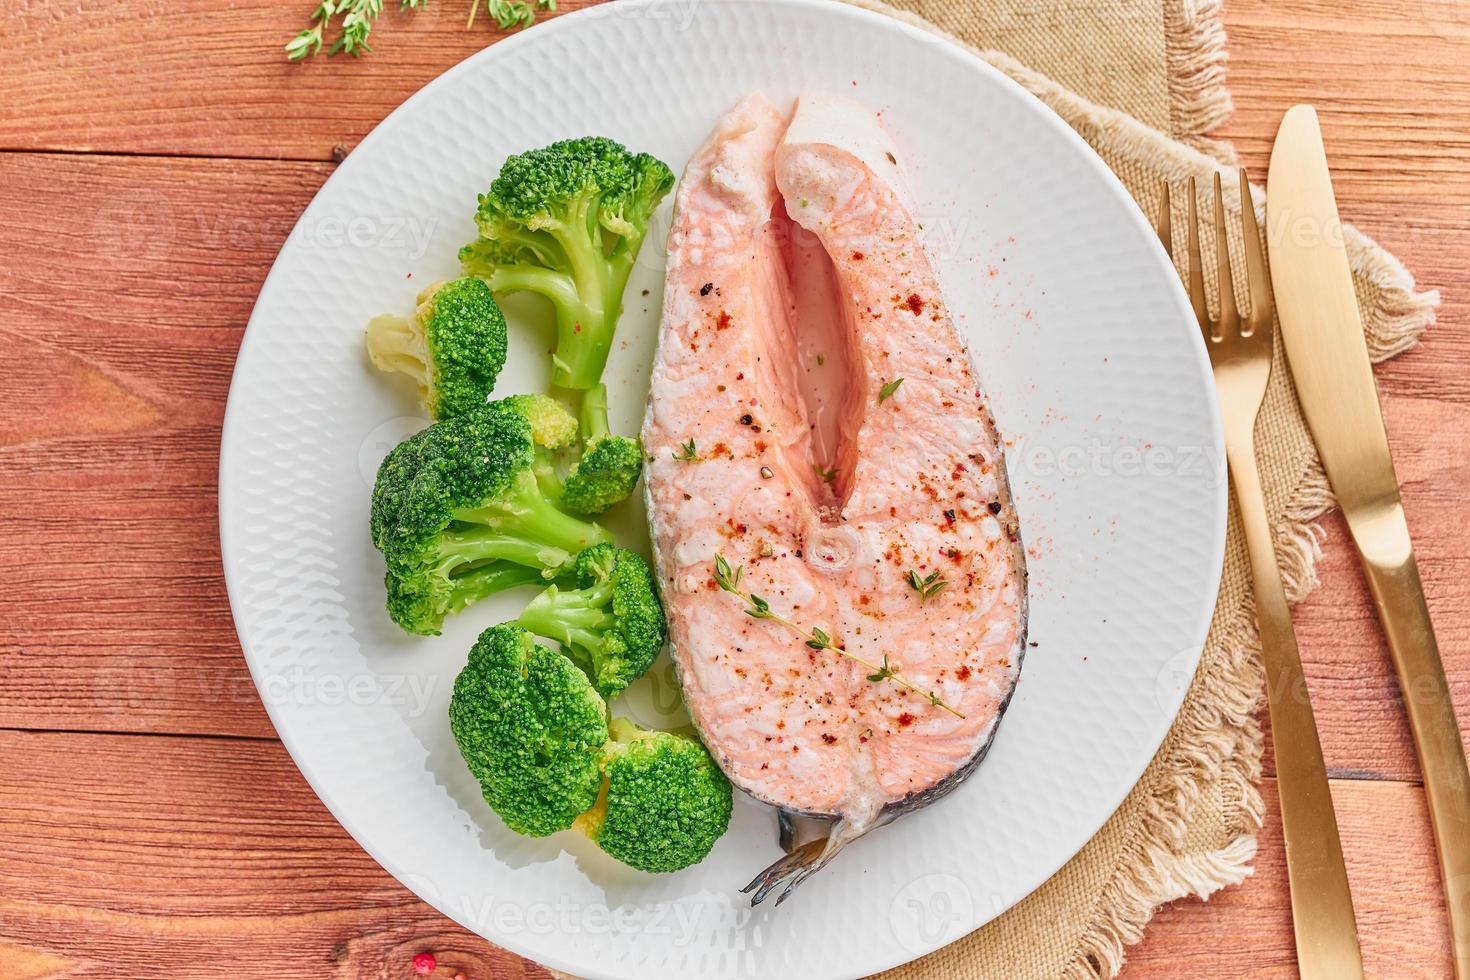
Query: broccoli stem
{"type": "Point", "coordinates": [478, 583]}
{"type": "Point", "coordinates": [594, 414]}
{"type": "Point", "coordinates": [522, 526]}
{"type": "Point", "coordinates": [547, 477]}
{"type": "Point", "coordinates": [573, 617]}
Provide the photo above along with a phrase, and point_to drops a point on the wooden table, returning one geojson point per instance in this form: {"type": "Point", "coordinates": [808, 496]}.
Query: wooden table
{"type": "Point", "coordinates": [153, 157]}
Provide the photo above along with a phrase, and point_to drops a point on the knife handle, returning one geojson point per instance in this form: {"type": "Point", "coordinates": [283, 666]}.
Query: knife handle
{"type": "Point", "coordinates": [1321, 901]}
{"type": "Point", "coordinates": [1393, 578]}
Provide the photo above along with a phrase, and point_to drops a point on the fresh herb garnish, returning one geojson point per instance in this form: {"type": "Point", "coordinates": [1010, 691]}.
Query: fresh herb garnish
{"type": "Point", "coordinates": [927, 586]}
{"type": "Point", "coordinates": [510, 14]}
{"type": "Point", "coordinates": [826, 475]}
{"type": "Point", "coordinates": [687, 453]}
{"type": "Point", "coordinates": [355, 19]}
{"type": "Point", "coordinates": [886, 392]}
{"type": "Point", "coordinates": [728, 579]}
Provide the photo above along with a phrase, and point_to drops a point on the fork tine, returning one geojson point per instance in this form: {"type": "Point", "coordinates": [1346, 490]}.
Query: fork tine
{"type": "Point", "coordinates": [1229, 321]}
{"type": "Point", "coordinates": [1163, 226]}
{"type": "Point", "coordinates": [1255, 263]}
{"type": "Point", "coordinates": [1196, 267]}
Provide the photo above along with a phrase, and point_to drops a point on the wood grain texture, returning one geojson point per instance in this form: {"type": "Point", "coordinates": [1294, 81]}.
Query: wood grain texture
{"type": "Point", "coordinates": [208, 77]}
{"type": "Point", "coordinates": [113, 613]}
{"type": "Point", "coordinates": [147, 856]}
{"type": "Point", "coordinates": [133, 258]}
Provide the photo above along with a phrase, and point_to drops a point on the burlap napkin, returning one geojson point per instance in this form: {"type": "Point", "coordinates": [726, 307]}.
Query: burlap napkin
{"type": "Point", "coordinates": [1143, 82]}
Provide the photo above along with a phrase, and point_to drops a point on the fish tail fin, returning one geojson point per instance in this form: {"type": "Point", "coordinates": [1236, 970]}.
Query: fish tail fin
{"type": "Point", "coordinates": [801, 863]}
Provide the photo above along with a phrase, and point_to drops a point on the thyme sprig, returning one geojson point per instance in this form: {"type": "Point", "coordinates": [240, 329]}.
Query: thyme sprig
{"type": "Point", "coordinates": [728, 579]}
{"type": "Point", "coordinates": [688, 453]}
{"type": "Point", "coordinates": [355, 18]}
{"type": "Point", "coordinates": [511, 13]}
{"type": "Point", "coordinates": [928, 586]}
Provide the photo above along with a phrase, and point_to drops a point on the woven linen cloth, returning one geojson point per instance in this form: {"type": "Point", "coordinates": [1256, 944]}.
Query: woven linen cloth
{"type": "Point", "coordinates": [1143, 82]}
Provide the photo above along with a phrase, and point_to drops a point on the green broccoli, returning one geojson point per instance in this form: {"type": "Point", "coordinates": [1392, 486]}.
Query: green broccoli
{"type": "Point", "coordinates": [453, 347]}
{"type": "Point", "coordinates": [663, 802]}
{"type": "Point", "coordinates": [566, 221]}
{"type": "Point", "coordinates": [605, 613]}
{"type": "Point", "coordinates": [459, 513]}
{"type": "Point", "coordinates": [531, 729]}
{"type": "Point", "coordinates": [610, 465]}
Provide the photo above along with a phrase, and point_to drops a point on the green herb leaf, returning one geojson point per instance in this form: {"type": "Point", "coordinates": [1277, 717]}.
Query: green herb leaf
{"type": "Point", "coordinates": [927, 586]}
{"type": "Point", "coordinates": [687, 453]}
{"type": "Point", "coordinates": [825, 475]}
{"type": "Point", "coordinates": [886, 392]}
{"type": "Point", "coordinates": [883, 673]}
{"type": "Point", "coordinates": [355, 19]}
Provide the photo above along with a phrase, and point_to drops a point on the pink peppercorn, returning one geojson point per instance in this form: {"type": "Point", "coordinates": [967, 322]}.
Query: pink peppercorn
{"type": "Point", "coordinates": [424, 963]}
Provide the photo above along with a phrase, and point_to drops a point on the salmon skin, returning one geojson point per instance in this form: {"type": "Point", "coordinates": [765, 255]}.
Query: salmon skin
{"type": "Point", "coordinates": [814, 420]}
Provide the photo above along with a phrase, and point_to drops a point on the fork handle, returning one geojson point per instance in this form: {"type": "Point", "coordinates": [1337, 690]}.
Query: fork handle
{"type": "Point", "coordinates": [1321, 903]}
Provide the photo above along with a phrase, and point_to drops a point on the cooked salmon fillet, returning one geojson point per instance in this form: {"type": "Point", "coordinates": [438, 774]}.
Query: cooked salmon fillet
{"type": "Point", "coordinates": [814, 420]}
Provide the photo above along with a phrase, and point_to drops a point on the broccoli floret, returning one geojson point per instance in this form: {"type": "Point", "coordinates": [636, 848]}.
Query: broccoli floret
{"type": "Point", "coordinates": [606, 615]}
{"type": "Point", "coordinates": [610, 465]}
{"type": "Point", "coordinates": [531, 729]}
{"type": "Point", "coordinates": [663, 802]}
{"type": "Point", "coordinates": [458, 512]}
{"type": "Point", "coordinates": [566, 221]}
{"type": "Point", "coordinates": [453, 347]}
{"type": "Point", "coordinates": [552, 426]}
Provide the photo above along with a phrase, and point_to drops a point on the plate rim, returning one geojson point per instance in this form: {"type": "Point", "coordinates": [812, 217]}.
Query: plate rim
{"type": "Point", "coordinates": [840, 8]}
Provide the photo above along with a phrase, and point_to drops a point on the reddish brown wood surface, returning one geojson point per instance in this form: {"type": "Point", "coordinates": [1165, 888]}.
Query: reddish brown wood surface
{"type": "Point", "coordinates": [153, 157]}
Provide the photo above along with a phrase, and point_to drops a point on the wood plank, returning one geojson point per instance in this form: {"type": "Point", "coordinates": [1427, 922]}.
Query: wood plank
{"type": "Point", "coordinates": [121, 854]}
{"type": "Point", "coordinates": [209, 78]}
{"type": "Point", "coordinates": [112, 606]}
{"type": "Point", "coordinates": [1246, 931]}
{"type": "Point", "coordinates": [133, 857]}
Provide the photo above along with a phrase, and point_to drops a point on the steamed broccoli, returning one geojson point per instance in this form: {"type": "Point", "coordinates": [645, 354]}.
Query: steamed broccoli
{"type": "Point", "coordinates": [663, 802]}
{"type": "Point", "coordinates": [459, 513]}
{"type": "Point", "coordinates": [566, 221]}
{"type": "Point", "coordinates": [610, 465]}
{"type": "Point", "coordinates": [531, 729]}
{"type": "Point", "coordinates": [453, 347]}
{"type": "Point", "coordinates": [605, 613]}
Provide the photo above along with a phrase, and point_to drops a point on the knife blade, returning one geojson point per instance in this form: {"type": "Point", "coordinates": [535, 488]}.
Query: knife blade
{"type": "Point", "coordinates": [1328, 355]}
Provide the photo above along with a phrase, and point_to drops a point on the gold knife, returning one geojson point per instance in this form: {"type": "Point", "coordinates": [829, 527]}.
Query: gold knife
{"type": "Point", "coordinates": [1334, 381]}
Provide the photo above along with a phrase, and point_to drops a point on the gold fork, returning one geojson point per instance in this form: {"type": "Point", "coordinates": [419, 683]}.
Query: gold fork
{"type": "Point", "coordinates": [1240, 353]}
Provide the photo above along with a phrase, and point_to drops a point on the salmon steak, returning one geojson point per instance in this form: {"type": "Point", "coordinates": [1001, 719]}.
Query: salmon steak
{"type": "Point", "coordinates": [834, 537]}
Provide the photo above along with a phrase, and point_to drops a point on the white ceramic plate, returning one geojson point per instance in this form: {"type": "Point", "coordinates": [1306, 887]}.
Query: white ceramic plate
{"type": "Point", "coordinates": [1081, 335]}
